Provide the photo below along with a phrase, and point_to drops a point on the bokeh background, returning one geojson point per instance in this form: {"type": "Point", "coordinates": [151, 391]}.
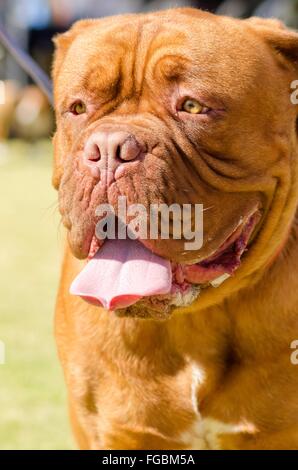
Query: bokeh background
{"type": "Point", "coordinates": [33, 408]}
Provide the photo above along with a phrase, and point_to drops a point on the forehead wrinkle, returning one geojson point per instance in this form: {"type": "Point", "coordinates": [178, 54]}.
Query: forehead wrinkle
{"type": "Point", "coordinates": [154, 43]}
{"type": "Point", "coordinates": [132, 66]}
{"type": "Point", "coordinates": [170, 63]}
{"type": "Point", "coordinates": [109, 43]}
{"type": "Point", "coordinates": [94, 83]}
{"type": "Point", "coordinates": [127, 49]}
{"type": "Point", "coordinates": [119, 76]}
{"type": "Point", "coordinates": [146, 34]}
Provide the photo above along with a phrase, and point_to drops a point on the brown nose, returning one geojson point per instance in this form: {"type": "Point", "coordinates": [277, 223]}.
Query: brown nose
{"type": "Point", "coordinates": [105, 151]}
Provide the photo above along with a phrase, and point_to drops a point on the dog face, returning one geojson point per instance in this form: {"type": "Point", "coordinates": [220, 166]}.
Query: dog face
{"type": "Point", "coordinates": [180, 107]}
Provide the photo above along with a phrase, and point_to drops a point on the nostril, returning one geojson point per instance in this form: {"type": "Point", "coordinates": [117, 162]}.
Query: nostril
{"type": "Point", "coordinates": [118, 152]}
{"type": "Point", "coordinates": [94, 154]}
{"type": "Point", "coordinates": [129, 150]}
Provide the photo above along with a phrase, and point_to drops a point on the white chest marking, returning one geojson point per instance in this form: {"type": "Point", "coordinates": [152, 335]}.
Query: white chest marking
{"type": "Point", "coordinates": [205, 433]}
{"type": "Point", "coordinates": [198, 377]}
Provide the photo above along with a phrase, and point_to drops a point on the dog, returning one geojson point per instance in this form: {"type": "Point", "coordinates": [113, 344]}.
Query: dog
{"type": "Point", "coordinates": [179, 107]}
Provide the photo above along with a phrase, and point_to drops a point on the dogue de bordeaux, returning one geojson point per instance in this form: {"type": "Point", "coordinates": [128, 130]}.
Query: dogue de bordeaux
{"type": "Point", "coordinates": [164, 347]}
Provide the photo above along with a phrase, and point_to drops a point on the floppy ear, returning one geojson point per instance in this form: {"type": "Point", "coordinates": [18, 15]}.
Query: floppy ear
{"type": "Point", "coordinates": [283, 40]}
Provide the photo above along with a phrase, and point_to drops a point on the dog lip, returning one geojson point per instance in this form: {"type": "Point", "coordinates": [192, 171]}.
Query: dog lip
{"type": "Point", "coordinates": [234, 235]}
{"type": "Point", "coordinates": [225, 261]}
{"type": "Point", "coordinates": [95, 245]}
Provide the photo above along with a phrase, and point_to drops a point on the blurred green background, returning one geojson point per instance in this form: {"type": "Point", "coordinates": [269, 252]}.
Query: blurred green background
{"type": "Point", "coordinates": [33, 409]}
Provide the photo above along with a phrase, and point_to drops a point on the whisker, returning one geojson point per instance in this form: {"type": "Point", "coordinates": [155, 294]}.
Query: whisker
{"type": "Point", "coordinates": [52, 208]}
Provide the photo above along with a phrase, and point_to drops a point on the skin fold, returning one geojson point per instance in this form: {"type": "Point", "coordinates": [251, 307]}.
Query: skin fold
{"type": "Point", "coordinates": [217, 374]}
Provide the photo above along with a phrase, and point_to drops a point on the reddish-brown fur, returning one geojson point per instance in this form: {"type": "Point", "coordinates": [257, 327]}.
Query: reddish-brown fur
{"type": "Point", "coordinates": [217, 374]}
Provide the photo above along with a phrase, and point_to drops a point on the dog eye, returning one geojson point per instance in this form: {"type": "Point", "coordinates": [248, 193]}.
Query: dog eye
{"type": "Point", "coordinates": [192, 106]}
{"type": "Point", "coordinates": [78, 108]}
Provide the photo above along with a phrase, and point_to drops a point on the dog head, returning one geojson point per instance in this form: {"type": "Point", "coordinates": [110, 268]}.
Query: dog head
{"type": "Point", "coordinates": [180, 107]}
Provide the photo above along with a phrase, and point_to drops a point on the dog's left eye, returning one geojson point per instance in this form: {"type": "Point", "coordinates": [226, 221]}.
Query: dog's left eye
{"type": "Point", "coordinates": [192, 106]}
{"type": "Point", "coordinates": [78, 108]}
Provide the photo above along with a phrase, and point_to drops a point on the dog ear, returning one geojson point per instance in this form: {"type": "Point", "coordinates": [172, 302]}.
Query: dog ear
{"type": "Point", "coordinates": [283, 40]}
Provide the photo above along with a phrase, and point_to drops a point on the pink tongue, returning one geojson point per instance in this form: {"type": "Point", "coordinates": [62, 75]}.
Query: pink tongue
{"type": "Point", "coordinates": [122, 272]}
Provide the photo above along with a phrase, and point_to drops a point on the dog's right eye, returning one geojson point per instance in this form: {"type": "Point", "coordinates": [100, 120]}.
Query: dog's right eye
{"type": "Point", "coordinates": [192, 106]}
{"type": "Point", "coordinates": [78, 108]}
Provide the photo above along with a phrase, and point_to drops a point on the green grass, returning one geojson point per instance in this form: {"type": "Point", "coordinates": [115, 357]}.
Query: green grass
{"type": "Point", "coordinates": [33, 409]}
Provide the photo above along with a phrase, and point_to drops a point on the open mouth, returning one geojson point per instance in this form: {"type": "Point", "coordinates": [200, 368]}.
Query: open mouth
{"type": "Point", "coordinates": [124, 272]}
